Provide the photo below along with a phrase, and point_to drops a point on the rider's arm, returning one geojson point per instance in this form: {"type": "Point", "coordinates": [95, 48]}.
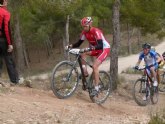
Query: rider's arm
{"type": "Point", "coordinates": [77, 44]}
{"type": "Point", "coordinates": [141, 56]}
{"type": "Point", "coordinates": [138, 63]}
{"type": "Point", "coordinates": [99, 45]}
{"type": "Point", "coordinates": [158, 59]}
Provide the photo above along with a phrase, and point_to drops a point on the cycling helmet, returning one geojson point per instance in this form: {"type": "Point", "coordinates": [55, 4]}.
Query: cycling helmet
{"type": "Point", "coordinates": [86, 21]}
{"type": "Point", "coordinates": [146, 46]}
{"type": "Point", "coordinates": [153, 48]}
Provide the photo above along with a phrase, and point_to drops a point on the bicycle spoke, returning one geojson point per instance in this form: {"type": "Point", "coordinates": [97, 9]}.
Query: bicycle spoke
{"type": "Point", "coordinates": [140, 93]}
{"type": "Point", "coordinates": [64, 80]}
{"type": "Point", "coordinates": [105, 88]}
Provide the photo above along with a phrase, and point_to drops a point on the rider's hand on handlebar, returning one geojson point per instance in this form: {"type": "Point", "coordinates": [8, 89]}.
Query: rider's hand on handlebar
{"type": "Point", "coordinates": [68, 46]}
{"type": "Point", "coordinates": [136, 67]}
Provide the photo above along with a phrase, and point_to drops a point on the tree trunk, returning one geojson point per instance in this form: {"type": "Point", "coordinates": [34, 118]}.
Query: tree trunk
{"type": "Point", "coordinates": [129, 41]}
{"type": "Point", "coordinates": [66, 41]}
{"type": "Point", "coordinates": [26, 58]}
{"type": "Point", "coordinates": [19, 46]}
{"type": "Point", "coordinates": [139, 38]}
{"type": "Point", "coordinates": [115, 44]}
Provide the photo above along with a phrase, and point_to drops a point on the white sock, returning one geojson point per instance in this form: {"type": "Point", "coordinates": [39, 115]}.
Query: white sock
{"type": "Point", "coordinates": [155, 83]}
{"type": "Point", "coordinates": [97, 88]}
{"type": "Point", "coordinates": [84, 66]}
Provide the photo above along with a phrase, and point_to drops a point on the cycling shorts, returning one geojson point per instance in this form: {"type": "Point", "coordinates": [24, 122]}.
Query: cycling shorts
{"type": "Point", "coordinates": [155, 68]}
{"type": "Point", "coordinates": [100, 54]}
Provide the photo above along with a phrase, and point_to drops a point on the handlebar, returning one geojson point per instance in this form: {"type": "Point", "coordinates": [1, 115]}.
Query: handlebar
{"type": "Point", "coordinates": [77, 51]}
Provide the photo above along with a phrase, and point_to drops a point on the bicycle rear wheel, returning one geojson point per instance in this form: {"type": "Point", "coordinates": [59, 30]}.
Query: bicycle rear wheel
{"type": "Point", "coordinates": [140, 92]}
{"type": "Point", "coordinates": [105, 90]}
{"type": "Point", "coordinates": [154, 94]}
{"type": "Point", "coordinates": [64, 79]}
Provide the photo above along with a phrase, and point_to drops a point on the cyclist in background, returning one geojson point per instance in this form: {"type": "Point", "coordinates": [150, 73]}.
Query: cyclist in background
{"type": "Point", "coordinates": [151, 60]}
{"type": "Point", "coordinates": [160, 63]}
{"type": "Point", "coordinates": [98, 47]}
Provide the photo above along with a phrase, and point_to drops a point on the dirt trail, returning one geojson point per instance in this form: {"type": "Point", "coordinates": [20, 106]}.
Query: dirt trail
{"type": "Point", "coordinates": [30, 106]}
{"type": "Point", "coordinates": [21, 105]}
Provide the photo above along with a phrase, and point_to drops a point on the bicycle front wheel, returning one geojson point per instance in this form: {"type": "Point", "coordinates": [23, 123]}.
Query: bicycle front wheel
{"type": "Point", "coordinates": [105, 88]}
{"type": "Point", "coordinates": [64, 79]}
{"type": "Point", "coordinates": [140, 92]}
{"type": "Point", "coordinates": [154, 94]}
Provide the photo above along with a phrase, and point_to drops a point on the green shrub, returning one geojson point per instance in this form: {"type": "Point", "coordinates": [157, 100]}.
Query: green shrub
{"type": "Point", "coordinates": [130, 70]}
{"type": "Point", "coordinates": [156, 119]}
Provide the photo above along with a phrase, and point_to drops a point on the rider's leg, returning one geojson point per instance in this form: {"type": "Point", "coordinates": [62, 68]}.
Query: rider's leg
{"type": "Point", "coordinates": [154, 75]}
{"type": "Point", "coordinates": [83, 56]}
{"type": "Point", "coordinates": [102, 56]}
{"type": "Point", "coordinates": [158, 75]}
{"type": "Point", "coordinates": [96, 65]}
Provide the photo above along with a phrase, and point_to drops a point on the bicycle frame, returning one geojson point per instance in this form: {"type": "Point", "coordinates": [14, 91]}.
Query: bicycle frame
{"type": "Point", "coordinates": [79, 60]}
{"type": "Point", "coordinates": [146, 86]}
{"type": "Point", "coordinates": [65, 79]}
{"type": "Point", "coordinates": [149, 79]}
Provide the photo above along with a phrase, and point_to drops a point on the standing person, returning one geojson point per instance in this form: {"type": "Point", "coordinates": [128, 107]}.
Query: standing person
{"type": "Point", "coordinates": [98, 47]}
{"type": "Point", "coordinates": [6, 46]}
{"type": "Point", "coordinates": [1, 66]}
{"type": "Point", "coordinates": [151, 60]}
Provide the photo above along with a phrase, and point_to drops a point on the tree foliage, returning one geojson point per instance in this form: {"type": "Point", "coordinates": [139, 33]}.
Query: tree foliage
{"type": "Point", "coordinates": [42, 20]}
{"type": "Point", "coordinates": [144, 14]}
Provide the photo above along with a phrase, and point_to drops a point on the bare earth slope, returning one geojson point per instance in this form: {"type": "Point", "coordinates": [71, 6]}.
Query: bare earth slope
{"type": "Point", "coordinates": [21, 105]}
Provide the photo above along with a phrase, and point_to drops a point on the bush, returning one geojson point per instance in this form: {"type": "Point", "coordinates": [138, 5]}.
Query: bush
{"type": "Point", "coordinates": [130, 70]}
{"type": "Point", "coordinates": [156, 119]}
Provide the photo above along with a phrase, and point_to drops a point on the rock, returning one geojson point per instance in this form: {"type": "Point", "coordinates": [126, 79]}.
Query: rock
{"type": "Point", "coordinates": [48, 114]}
{"type": "Point", "coordinates": [28, 83]}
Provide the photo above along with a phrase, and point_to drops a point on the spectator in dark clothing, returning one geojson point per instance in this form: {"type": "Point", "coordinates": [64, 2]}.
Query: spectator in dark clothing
{"type": "Point", "coordinates": [1, 65]}
{"type": "Point", "coordinates": [6, 46]}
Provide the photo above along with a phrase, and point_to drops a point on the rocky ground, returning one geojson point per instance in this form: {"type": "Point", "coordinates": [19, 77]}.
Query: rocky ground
{"type": "Point", "coordinates": [24, 105]}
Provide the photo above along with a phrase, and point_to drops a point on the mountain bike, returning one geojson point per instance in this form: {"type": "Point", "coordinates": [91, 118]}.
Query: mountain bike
{"type": "Point", "coordinates": [143, 89]}
{"type": "Point", "coordinates": [65, 79]}
{"type": "Point", "coordinates": [162, 81]}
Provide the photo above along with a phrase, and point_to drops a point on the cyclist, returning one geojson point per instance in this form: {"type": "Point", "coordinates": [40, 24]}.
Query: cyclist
{"type": "Point", "coordinates": [151, 60]}
{"type": "Point", "coordinates": [98, 47]}
{"type": "Point", "coordinates": [160, 63]}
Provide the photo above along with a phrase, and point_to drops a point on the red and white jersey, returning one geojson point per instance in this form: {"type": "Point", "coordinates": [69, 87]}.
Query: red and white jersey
{"type": "Point", "coordinates": [93, 35]}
